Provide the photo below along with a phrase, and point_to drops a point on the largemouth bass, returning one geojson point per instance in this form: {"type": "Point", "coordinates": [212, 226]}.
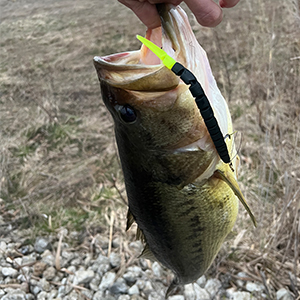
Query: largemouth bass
{"type": "Point", "coordinates": [182, 196]}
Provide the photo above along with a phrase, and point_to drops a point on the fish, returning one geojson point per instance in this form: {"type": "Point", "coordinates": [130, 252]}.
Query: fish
{"type": "Point", "coordinates": [182, 196]}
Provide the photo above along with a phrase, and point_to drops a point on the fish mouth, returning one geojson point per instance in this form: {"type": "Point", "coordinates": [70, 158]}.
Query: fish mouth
{"type": "Point", "coordinates": [142, 70]}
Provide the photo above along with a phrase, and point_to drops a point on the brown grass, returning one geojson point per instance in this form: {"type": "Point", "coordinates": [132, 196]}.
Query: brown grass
{"type": "Point", "coordinates": [58, 158]}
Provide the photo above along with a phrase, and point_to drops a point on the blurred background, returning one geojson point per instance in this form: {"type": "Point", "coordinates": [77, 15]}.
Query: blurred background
{"type": "Point", "coordinates": [59, 168]}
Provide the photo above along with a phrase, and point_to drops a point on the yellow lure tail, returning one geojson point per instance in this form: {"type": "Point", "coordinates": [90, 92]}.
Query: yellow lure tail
{"type": "Point", "coordinates": [166, 59]}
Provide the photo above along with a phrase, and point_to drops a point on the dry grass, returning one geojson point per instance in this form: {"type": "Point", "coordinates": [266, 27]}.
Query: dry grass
{"type": "Point", "coordinates": [58, 159]}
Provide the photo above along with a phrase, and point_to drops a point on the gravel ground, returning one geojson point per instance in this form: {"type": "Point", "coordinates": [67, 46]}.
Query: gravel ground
{"type": "Point", "coordinates": [34, 271]}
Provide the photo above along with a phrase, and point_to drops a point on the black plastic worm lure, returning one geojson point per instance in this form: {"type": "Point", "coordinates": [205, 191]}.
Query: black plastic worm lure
{"type": "Point", "coordinates": [198, 93]}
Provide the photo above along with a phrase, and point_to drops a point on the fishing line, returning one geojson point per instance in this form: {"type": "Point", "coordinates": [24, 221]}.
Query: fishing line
{"type": "Point", "coordinates": [229, 136]}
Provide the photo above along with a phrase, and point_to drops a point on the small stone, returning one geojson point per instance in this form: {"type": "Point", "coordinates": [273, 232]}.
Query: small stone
{"type": "Point", "coordinates": [132, 274]}
{"type": "Point", "coordinates": [30, 297]}
{"type": "Point", "coordinates": [102, 241]}
{"type": "Point", "coordinates": [101, 259]}
{"type": "Point", "coordinates": [98, 295]}
{"type": "Point", "coordinates": [240, 282]}
{"type": "Point", "coordinates": [157, 270]}
{"type": "Point", "coordinates": [213, 286]}
{"type": "Point", "coordinates": [189, 292]}
{"type": "Point", "coordinates": [94, 284]}
{"type": "Point", "coordinates": [229, 292]}
{"type": "Point", "coordinates": [148, 288]}
{"type": "Point", "coordinates": [254, 287]}
{"type": "Point", "coordinates": [88, 259]}
{"type": "Point", "coordinates": [86, 293]}
{"type": "Point", "coordinates": [48, 257]}
{"type": "Point", "coordinates": [28, 259]}
{"type": "Point", "coordinates": [115, 260]}
{"type": "Point", "coordinates": [76, 262]}
{"type": "Point", "coordinates": [129, 277]}
{"type": "Point", "coordinates": [137, 246]}
{"type": "Point", "coordinates": [136, 297]}
{"type": "Point", "coordinates": [283, 294]}
{"type": "Point", "coordinates": [52, 294]}
{"type": "Point", "coordinates": [241, 296]}
{"type": "Point", "coordinates": [25, 274]}
{"type": "Point", "coordinates": [17, 261]}
{"type": "Point", "coordinates": [41, 244]}
{"type": "Point", "coordinates": [109, 297]}
{"type": "Point", "coordinates": [201, 281]}
{"type": "Point", "coordinates": [9, 272]}
{"type": "Point", "coordinates": [119, 287]}
{"type": "Point", "coordinates": [44, 285]}
{"type": "Point", "coordinates": [83, 276]}
{"type": "Point", "coordinates": [72, 296]}
{"type": "Point", "coordinates": [103, 269]}
{"type": "Point", "coordinates": [133, 290]}
{"type": "Point", "coordinates": [2, 247]}
{"type": "Point", "coordinates": [194, 291]}
{"type": "Point", "coordinates": [116, 242]}
{"type": "Point", "coordinates": [42, 296]}
{"type": "Point", "coordinates": [16, 294]}
{"type": "Point", "coordinates": [38, 268]}
{"type": "Point", "coordinates": [176, 297]}
{"type": "Point", "coordinates": [155, 296]}
{"type": "Point", "coordinates": [67, 256]}
{"type": "Point", "coordinates": [49, 273]}
{"type": "Point", "coordinates": [107, 280]}
{"type": "Point", "coordinates": [124, 297]}
{"type": "Point", "coordinates": [72, 270]}
{"type": "Point", "coordinates": [27, 249]}
{"type": "Point", "coordinates": [64, 289]}
{"type": "Point", "coordinates": [140, 283]}
{"type": "Point", "coordinates": [35, 289]}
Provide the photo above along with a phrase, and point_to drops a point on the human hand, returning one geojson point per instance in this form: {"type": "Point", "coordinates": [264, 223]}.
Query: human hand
{"type": "Point", "coordinates": [207, 12]}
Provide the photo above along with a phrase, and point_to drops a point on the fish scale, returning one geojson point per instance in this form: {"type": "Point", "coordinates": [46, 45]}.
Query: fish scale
{"type": "Point", "coordinates": [182, 196]}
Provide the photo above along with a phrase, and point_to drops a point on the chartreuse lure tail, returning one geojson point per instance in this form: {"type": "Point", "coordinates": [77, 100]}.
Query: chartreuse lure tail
{"type": "Point", "coordinates": [198, 93]}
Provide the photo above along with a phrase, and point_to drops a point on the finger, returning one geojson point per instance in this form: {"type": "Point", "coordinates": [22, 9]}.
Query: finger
{"type": "Point", "coordinates": [145, 11]}
{"type": "Point", "coordinates": [174, 2]}
{"type": "Point", "coordinates": [207, 12]}
{"type": "Point", "coordinates": [228, 3]}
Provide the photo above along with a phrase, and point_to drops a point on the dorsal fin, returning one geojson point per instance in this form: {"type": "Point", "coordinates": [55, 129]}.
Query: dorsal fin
{"type": "Point", "coordinates": [227, 176]}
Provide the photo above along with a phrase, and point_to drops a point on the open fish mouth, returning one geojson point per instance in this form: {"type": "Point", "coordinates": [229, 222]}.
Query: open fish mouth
{"type": "Point", "coordinates": [175, 36]}
{"type": "Point", "coordinates": [141, 70]}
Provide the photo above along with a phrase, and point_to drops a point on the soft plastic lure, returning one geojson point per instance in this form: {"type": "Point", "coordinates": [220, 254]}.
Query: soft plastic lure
{"type": "Point", "coordinates": [198, 93]}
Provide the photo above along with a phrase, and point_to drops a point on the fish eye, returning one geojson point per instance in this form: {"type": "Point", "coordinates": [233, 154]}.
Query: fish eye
{"type": "Point", "coordinates": [127, 113]}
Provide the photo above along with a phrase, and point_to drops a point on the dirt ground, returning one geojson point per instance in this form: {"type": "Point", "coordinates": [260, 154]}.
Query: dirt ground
{"type": "Point", "coordinates": [59, 166]}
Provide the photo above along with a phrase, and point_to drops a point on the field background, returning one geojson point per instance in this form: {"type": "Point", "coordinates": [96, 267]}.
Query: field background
{"type": "Point", "coordinates": [58, 163]}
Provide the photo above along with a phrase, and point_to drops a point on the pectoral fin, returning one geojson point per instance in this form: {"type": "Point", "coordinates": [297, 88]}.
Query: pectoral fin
{"type": "Point", "coordinates": [147, 253]}
{"type": "Point", "coordinates": [227, 176]}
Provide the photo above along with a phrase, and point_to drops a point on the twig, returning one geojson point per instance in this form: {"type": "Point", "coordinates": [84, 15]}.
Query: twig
{"type": "Point", "coordinates": [111, 225]}
{"type": "Point", "coordinates": [293, 285]}
{"type": "Point", "coordinates": [57, 256]}
{"type": "Point", "coordinates": [263, 276]}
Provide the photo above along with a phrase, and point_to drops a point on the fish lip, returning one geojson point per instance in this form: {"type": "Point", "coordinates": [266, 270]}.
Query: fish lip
{"type": "Point", "coordinates": [171, 39]}
{"type": "Point", "coordinates": [127, 70]}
